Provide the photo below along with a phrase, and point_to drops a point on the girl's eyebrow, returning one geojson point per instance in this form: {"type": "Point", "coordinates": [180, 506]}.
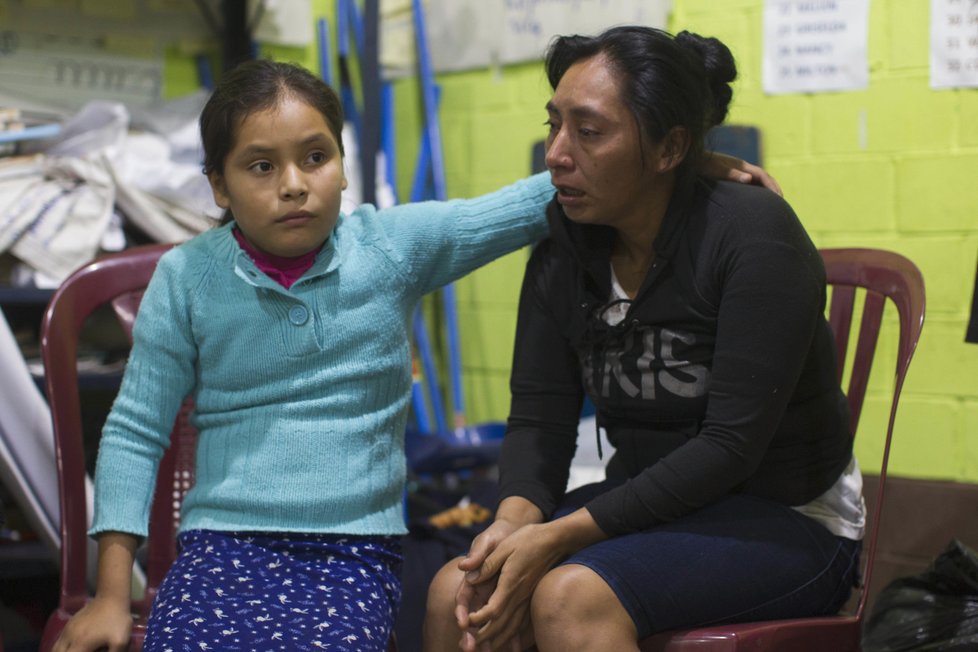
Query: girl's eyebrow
{"type": "Point", "coordinates": [256, 149]}
{"type": "Point", "coordinates": [253, 150]}
{"type": "Point", "coordinates": [314, 138]}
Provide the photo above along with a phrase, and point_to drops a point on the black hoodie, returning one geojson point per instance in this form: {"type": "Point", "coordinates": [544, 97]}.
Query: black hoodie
{"type": "Point", "coordinates": [721, 378]}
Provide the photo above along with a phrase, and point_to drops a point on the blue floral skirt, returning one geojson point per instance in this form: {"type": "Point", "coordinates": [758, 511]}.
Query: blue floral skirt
{"type": "Point", "coordinates": [271, 591]}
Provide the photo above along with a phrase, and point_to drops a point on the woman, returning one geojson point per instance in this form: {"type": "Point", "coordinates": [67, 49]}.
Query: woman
{"type": "Point", "coordinates": [691, 313]}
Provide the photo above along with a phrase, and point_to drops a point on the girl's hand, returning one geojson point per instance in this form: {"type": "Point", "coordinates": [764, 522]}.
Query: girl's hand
{"type": "Point", "coordinates": [723, 166]}
{"type": "Point", "coordinates": [103, 623]}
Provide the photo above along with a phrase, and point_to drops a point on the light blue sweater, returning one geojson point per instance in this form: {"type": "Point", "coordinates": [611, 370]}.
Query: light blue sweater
{"type": "Point", "coordinates": [301, 394]}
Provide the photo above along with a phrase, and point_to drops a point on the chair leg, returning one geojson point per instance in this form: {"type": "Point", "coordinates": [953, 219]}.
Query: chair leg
{"type": "Point", "coordinates": [136, 637]}
{"type": "Point", "coordinates": [52, 629]}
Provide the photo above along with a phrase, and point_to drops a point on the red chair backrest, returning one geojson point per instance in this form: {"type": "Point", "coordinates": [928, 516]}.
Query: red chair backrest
{"type": "Point", "coordinates": [117, 280]}
{"type": "Point", "coordinates": [882, 274]}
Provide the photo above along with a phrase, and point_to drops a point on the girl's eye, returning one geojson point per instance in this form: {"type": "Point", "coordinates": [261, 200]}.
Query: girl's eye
{"type": "Point", "coordinates": [261, 166]}
{"type": "Point", "coordinates": [317, 157]}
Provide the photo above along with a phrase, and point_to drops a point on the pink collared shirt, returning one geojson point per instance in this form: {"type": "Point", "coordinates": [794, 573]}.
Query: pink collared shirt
{"type": "Point", "coordinates": [284, 270]}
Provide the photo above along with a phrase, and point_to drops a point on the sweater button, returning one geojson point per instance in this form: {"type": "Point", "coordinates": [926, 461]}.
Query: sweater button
{"type": "Point", "coordinates": [298, 315]}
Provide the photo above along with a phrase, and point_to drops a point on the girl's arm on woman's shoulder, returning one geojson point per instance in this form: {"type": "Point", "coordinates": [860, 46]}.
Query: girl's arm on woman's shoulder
{"type": "Point", "coordinates": [443, 241]}
{"type": "Point", "coordinates": [724, 166]}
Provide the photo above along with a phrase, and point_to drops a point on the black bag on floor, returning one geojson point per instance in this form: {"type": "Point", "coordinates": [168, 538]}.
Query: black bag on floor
{"type": "Point", "coordinates": [934, 611]}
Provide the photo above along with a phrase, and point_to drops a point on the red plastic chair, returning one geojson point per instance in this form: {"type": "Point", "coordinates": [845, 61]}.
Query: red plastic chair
{"type": "Point", "coordinates": [117, 280]}
{"type": "Point", "coordinates": [883, 275]}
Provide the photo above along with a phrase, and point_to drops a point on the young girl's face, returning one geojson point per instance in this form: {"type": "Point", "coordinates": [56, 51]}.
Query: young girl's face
{"type": "Point", "coordinates": [282, 179]}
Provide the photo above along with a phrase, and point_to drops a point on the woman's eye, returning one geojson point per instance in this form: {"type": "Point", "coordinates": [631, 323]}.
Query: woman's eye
{"type": "Point", "coordinates": [586, 132]}
{"type": "Point", "coordinates": [317, 157]}
{"type": "Point", "coordinates": [551, 126]}
{"type": "Point", "coordinates": [261, 166]}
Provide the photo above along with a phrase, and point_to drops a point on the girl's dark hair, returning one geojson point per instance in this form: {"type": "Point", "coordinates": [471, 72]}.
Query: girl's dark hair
{"type": "Point", "coordinates": [256, 86]}
{"type": "Point", "coordinates": [666, 81]}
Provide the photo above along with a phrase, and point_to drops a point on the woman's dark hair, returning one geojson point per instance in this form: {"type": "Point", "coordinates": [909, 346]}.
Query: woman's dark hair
{"type": "Point", "coordinates": [666, 81]}
{"type": "Point", "coordinates": [256, 86]}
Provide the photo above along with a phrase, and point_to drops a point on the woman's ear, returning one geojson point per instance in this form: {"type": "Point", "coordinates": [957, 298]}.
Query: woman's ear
{"type": "Point", "coordinates": [673, 149]}
{"type": "Point", "coordinates": [219, 190]}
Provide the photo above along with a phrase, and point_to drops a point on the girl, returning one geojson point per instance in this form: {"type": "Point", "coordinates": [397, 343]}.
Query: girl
{"type": "Point", "coordinates": [289, 325]}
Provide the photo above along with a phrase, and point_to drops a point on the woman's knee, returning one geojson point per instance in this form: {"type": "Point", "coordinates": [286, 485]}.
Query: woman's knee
{"type": "Point", "coordinates": [570, 595]}
{"type": "Point", "coordinates": [442, 590]}
{"type": "Point", "coordinates": [573, 607]}
{"type": "Point", "coordinates": [440, 631]}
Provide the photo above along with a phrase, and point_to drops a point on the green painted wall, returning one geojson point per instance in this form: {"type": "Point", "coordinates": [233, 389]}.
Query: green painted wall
{"type": "Point", "coordinates": [892, 166]}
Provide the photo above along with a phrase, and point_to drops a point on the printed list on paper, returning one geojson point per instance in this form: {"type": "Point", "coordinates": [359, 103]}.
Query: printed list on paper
{"type": "Point", "coordinates": [815, 45]}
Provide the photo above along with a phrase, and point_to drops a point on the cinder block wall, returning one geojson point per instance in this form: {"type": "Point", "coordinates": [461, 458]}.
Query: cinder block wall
{"type": "Point", "coordinates": [892, 166]}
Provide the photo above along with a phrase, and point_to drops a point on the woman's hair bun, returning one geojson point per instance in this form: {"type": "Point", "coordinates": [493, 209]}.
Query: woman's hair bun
{"type": "Point", "coordinates": [718, 62]}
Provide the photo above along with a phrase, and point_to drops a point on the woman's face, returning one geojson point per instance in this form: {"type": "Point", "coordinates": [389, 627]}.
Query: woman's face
{"type": "Point", "coordinates": [593, 149]}
{"type": "Point", "coordinates": [283, 179]}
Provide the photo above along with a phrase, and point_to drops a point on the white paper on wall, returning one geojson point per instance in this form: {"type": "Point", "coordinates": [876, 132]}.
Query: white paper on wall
{"type": "Point", "coordinates": [815, 45]}
{"type": "Point", "coordinates": [527, 26]}
{"type": "Point", "coordinates": [283, 22]}
{"type": "Point", "coordinates": [953, 43]}
{"type": "Point", "coordinates": [466, 34]}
